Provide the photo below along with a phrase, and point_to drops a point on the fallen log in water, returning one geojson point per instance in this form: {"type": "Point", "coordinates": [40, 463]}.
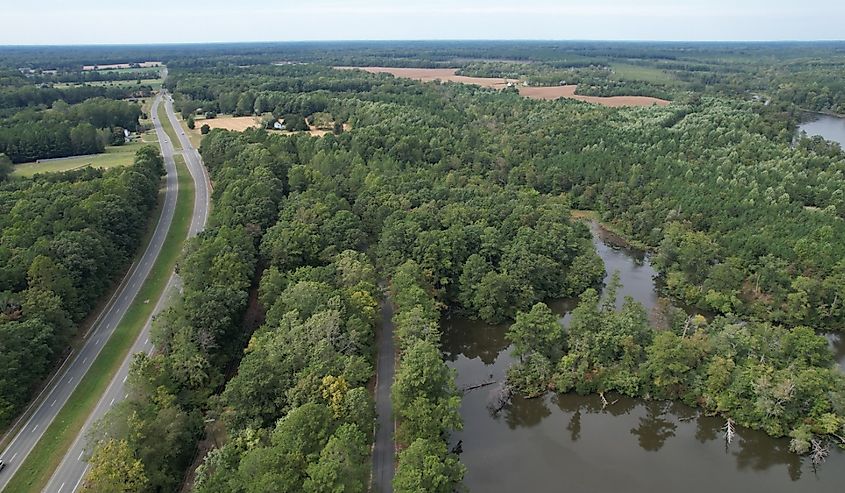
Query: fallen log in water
{"type": "Point", "coordinates": [500, 398]}
{"type": "Point", "coordinates": [478, 386]}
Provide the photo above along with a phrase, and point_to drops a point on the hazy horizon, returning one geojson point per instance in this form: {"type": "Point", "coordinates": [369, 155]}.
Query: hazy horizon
{"type": "Point", "coordinates": [54, 22]}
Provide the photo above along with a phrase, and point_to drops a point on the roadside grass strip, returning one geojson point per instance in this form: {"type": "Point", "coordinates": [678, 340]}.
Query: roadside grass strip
{"type": "Point", "coordinates": [168, 128]}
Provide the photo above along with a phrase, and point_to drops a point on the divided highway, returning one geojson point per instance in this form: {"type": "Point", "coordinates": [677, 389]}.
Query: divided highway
{"type": "Point", "coordinates": [68, 476]}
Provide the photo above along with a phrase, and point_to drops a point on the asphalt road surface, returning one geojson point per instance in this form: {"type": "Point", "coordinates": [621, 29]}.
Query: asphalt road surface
{"type": "Point", "coordinates": [68, 476]}
{"type": "Point", "coordinates": [383, 448]}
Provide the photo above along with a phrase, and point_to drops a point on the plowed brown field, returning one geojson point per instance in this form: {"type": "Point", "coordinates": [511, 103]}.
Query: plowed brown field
{"type": "Point", "coordinates": [554, 92]}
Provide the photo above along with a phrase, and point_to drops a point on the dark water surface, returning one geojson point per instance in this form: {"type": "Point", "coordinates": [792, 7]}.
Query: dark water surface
{"type": "Point", "coordinates": [829, 127]}
{"type": "Point", "coordinates": [568, 443]}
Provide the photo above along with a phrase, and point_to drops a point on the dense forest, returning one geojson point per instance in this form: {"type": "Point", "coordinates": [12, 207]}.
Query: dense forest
{"type": "Point", "coordinates": [446, 199]}
{"type": "Point", "coordinates": [65, 238]}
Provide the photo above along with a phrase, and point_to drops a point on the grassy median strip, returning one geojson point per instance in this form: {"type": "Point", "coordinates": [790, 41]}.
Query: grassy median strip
{"type": "Point", "coordinates": [168, 128]}
{"type": "Point", "coordinates": [59, 436]}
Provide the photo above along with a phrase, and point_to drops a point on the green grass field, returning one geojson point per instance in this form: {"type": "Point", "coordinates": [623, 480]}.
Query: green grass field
{"type": "Point", "coordinates": [113, 156]}
{"type": "Point", "coordinates": [59, 436]}
{"type": "Point", "coordinates": [168, 128]}
{"type": "Point", "coordinates": [624, 71]}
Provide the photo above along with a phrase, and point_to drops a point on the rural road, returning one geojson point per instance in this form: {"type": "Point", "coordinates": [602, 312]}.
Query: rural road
{"type": "Point", "coordinates": [68, 477]}
{"type": "Point", "coordinates": [384, 449]}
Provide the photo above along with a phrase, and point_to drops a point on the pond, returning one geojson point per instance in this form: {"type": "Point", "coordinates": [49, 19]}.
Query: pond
{"type": "Point", "coordinates": [830, 127]}
{"type": "Point", "coordinates": [569, 443]}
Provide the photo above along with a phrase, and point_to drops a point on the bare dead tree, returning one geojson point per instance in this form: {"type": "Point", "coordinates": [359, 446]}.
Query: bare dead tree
{"type": "Point", "coordinates": [500, 398]}
{"type": "Point", "coordinates": [819, 451]}
{"type": "Point", "coordinates": [604, 402]}
{"type": "Point", "coordinates": [730, 431]}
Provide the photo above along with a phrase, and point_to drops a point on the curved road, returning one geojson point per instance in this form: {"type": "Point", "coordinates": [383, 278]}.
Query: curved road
{"type": "Point", "coordinates": [73, 467]}
{"type": "Point", "coordinates": [70, 472]}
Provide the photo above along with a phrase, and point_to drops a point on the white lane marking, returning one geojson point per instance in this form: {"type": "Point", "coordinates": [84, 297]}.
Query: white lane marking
{"type": "Point", "coordinates": [112, 402]}
{"type": "Point", "coordinates": [97, 341]}
{"type": "Point", "coordinates": [126, 396]}
{"type": "Point", "coordinates": [80, 455]}
{"type": "Point", "coordinates": [54, 403]}
{"type": "Point", "coordinates": [84, 360]}
{"type": "Point", "coordinates": [79, 481]}
{"type": "Point", "coordinates": [13, 457]}
{"type": "Point", "coordinates": [124, 378]}
{"type": "Point", "coordinates": [34, 428]}
{"type": "Point", "coordinates": [60, 488]}
{"type": "Point", "coordinates": [147, 341]}
{"type": "Point", "coordinates": [69, 379]}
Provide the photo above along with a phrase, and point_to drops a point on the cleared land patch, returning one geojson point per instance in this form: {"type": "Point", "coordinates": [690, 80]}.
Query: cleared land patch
{"type": "Point", "coordinates": [628, 71]}
{"type": "Point", "coordinates": [241, 123]}
{"type": "Point", "coordinates": [236, 123]}
{"type": "Point", "coordinates": [432, 74]}
{"type": "Point", "coordinates": [112, 157]}
{"type": "Point", "coordinates": [553, 92]}
{"type": "Point", "coordinates": [115, 66]}
{"type": "Point", "coordinates": [568, 91]}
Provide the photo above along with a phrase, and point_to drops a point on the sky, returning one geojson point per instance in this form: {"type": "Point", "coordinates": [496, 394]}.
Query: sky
{"type": "Point", "coordinates": [24, 22]}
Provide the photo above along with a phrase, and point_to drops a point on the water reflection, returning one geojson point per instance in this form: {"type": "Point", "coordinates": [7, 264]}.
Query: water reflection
{"type": "Point", "coordinates": [830, 127]}
{"type": "Point", "coordinates": [574, 443]}
{"type": "Point", "coordinates": [654, 429]}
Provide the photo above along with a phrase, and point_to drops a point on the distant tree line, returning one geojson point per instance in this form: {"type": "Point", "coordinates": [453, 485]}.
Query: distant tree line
{"type": "Point", "coordinates": [18, 92]}
{"type": "Point", "coordinates": [67, 130]}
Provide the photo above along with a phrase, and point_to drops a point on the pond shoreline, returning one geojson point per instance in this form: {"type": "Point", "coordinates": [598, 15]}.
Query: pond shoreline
{"type": "Point", "coordinates": [634, 445]}
{"type": "Point", "coordinates": [621, 239]}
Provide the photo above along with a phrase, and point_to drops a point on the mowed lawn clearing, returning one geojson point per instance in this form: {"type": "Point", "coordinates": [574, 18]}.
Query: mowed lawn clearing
{"type": "Point", "coordinates": [48, 452]}
{"type": "Point", "coordinates": [113, 156]}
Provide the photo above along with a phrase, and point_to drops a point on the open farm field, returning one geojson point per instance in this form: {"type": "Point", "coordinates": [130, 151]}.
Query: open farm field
{"type": "Point", "coordinates": [553, 92]}
{"type": "Point", "coordinates": [568, 91]}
